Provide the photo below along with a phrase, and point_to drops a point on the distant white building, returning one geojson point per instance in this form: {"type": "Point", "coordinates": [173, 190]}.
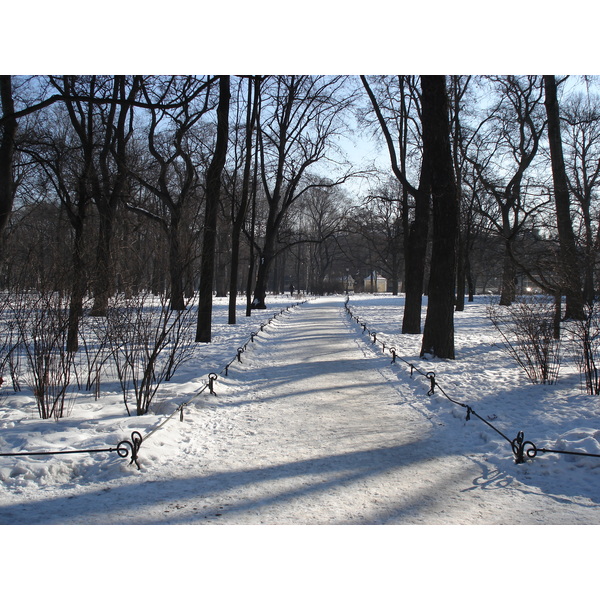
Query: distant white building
{"type": "Point", "coordinates": [375, 283]}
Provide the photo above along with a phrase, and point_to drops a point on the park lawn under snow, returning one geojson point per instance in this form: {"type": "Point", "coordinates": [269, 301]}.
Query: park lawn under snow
{"type": "Point", "coordinates": [248, 455]}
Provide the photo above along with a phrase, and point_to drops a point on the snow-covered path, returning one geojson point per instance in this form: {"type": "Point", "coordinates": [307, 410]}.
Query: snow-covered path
{"type": "Point", "coordinates": [312, 427]}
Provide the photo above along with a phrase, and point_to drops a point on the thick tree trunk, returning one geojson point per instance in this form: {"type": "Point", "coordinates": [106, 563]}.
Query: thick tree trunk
{"type": "Point", "coordinates": [213, 188]}
{"type": "Point", "coordinates": [416, 250]}
{"type": "Point", "coordinates": [438, 333]}
{"type": "Point", "coordinates": [568, 249]}
{"type": "Point", "coordinates": [262, 278]}
{"type": "Point", "coordinates": [509, 273]}
{"type": "Point", "coordinates": [7, 144]}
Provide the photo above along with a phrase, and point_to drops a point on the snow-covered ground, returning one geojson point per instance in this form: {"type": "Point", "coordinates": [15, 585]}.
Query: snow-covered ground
{"type": "Point", "coordinates": [316, 425]}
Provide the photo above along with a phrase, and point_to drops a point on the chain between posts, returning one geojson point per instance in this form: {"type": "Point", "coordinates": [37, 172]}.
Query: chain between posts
{"type": "Point", "coordinates": [520, 447]}
{"type": "Point", "coordinates": [126, 448]}
{"type": "Point", "coordinates": [224, 371]}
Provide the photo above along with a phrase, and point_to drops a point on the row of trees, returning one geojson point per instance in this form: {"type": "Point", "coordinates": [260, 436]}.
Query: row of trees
{"type": "Point", "coordinates": [241, 184]}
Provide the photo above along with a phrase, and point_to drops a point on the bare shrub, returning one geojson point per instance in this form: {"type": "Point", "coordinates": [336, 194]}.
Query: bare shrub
{"type": "Point", "coordinates": [9, 341]}
{"type": "Point", "coordinates": [527, 331]}
{"type": "Point", "coordinates": [585, 339]}
{"type": "Point", "coordinates": [95, 349]}
{"type": "Point", "coordinates": [42, 320]}
{"type": "Point", "coordinates": [148, 341]}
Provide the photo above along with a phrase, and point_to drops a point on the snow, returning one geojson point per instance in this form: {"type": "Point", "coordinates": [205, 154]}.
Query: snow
{"type": "Point", "coordinates": [317, 426]}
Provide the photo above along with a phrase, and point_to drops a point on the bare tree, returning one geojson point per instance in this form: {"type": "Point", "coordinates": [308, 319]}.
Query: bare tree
{"type": "Point", "coordinates": [171, 174]}
{"type": "Point", "coordinates": [458, 89]}
{"type": "Point", "coordinates": [213, 189]}
{"type": "Point", "coordinates": [239, 212]}
{"type": "Point", "coordinates": [8, 129]}
{"type": "Point", "coordinates": [501, 149]}
{"type": "Point", "coordinates": [110, 182]}
{"type": "Point", "coordinates": [300, 116]}
{"type": "Point", "coordinates": [380, 225]}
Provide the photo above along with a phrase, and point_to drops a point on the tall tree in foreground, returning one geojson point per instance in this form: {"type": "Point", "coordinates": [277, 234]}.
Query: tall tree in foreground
{"type": "Point", "coordinates": [213, 189]}
{"type": "Point", "coordinates": [8, 130]}
{"type": "Point", "coordinates": [568, 249]}
{"type": "Point", "coordinates": [438, 333]}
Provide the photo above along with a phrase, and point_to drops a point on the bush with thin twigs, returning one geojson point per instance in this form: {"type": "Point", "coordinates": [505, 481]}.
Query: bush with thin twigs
{"type": "Point", "coordinates": [527, 331]}
{"type": "Point", "coordinates": [95, 350]}
{"type": "Point", "coordinates": [585, 340]}
{"type": "Point", "coordinates": [147, 344]}
{"type": "Point", "coordinates": [41, 320]}
{"type": "Point", "coordinates": [9, 341]}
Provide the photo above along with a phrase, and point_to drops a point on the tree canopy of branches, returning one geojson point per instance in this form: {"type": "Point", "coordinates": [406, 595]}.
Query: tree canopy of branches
{"type": "Point", "coordinates": [123, 184]}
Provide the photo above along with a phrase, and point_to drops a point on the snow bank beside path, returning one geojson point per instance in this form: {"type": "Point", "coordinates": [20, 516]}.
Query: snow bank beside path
{"type": "Point", "coordinates": [483, 376]}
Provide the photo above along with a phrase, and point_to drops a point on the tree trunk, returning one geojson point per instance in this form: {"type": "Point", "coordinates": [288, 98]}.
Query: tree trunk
{"type": "Point", "coordinates": [461, 279]}
{"type": "Point", "coordinates": [7, 146]}
{"type": "Point", "coordinates": [264, 268]}
{"type": "Point", "coordinates": [509, 273]}
{"type": "Point", "coordinates": [213, 188]}
{"type": "Point", "coordinates": [438, 333]}
{"type": "Point", "coordinates": [416, 251]}
{"type": "Point", "coordinates": [568, 249]}
{"type": "Point", "coordinates": [103, 281]}
{"type": "Point", "coordinates": [176, 268]}
{"type": "Point", "coordinates": [78, 284]}
{"type": "Point", "coordinates": [250, 278]}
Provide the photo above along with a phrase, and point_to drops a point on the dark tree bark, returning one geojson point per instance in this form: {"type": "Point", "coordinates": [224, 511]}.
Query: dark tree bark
{"type": "Point", "coordinates": [213, 188]}
{"type": "Point", "coordinates": [571, 276]}
{"type": "Point", "coordinates": [459, 88]}
{"type": "Point", "coordinates": [438, 333]}
{"type": "Point", "coordinates": [238, 222]}
{"type": "Point", "coordinates": [171, 176]}
{"type": "Point", "coordinates": [8, 131]}
{"type": "Point", "coordinates": [415, 253]}
{"type": "Point", "coordinates": [251, 260]}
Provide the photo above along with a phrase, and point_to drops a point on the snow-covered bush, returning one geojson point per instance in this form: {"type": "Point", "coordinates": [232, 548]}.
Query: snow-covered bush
{"type": "Point", "coordinates": [527, 331]}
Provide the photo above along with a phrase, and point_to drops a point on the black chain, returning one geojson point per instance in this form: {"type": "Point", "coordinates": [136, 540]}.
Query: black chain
{"type": "Point", "coordinates": [521, 448]}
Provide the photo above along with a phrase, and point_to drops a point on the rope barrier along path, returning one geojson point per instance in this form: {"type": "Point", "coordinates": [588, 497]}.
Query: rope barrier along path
{"type": "Point", "coordinates": [522, 449]}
